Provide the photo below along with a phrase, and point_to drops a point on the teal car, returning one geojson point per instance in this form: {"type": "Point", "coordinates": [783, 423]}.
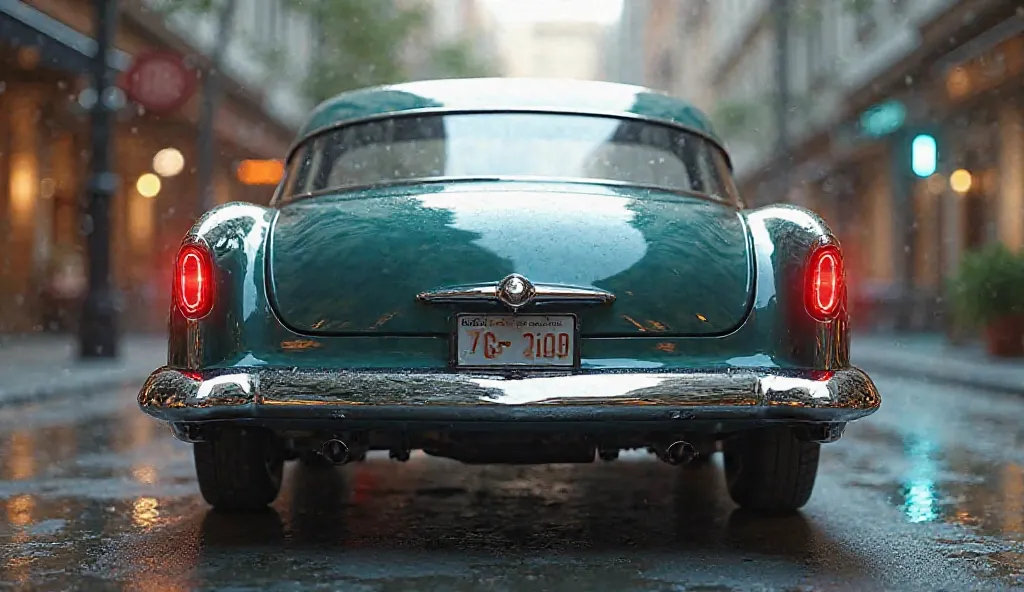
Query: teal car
{"type": "Point", "coordinates": [508, 271]}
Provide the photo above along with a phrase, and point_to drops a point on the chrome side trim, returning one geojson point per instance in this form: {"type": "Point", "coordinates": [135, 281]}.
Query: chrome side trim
{"type": "Point", "coordinates": [542, 294]}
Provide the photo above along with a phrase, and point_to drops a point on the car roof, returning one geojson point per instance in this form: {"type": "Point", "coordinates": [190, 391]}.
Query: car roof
{"type": "Point", "coordinates": [507, 94]}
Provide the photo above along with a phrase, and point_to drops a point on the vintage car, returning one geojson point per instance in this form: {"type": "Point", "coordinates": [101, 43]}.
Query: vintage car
{"type": "Point", "coordinates": [508, 271]}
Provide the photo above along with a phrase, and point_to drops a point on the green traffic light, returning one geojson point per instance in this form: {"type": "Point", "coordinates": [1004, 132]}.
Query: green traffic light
{"type": "Point", "coordinates": [924, 155]}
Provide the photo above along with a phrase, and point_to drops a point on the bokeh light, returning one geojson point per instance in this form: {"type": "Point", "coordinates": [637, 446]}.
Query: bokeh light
{"type": "Point", "coordinates": [148, 185]}
{"type": "Point", "coordinates": [168, 162]}
{"type": "Point", "coordinates": [960, 181]}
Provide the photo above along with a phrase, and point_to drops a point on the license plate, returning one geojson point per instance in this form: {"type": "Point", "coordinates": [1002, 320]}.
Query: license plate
{"type": "Point", "coordinates": [515, 340]}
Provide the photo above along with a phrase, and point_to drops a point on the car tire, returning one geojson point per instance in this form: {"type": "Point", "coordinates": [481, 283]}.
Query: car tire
{"type": "Point", "coordinates": [239, 469]}
{"type": "Point", "coordinates": [770, 470]}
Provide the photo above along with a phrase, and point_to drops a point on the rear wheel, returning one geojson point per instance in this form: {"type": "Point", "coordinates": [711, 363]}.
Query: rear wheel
{"type": "Point", "coordinates": [770, 469]}
{"type": "Point", "coordinates": [239, 469]}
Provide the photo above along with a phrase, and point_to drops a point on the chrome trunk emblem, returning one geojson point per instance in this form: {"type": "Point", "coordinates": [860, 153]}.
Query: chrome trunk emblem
{"type": "Point", "coordinates": [515, 291]}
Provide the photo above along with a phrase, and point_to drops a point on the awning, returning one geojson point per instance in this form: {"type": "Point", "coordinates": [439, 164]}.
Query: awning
{"type": "Point", "coordinates": [60, 46]}
{"type": "Point", "coordinates": [982, 43]}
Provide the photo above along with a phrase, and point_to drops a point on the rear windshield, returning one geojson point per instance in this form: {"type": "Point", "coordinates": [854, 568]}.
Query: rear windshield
{"type": "Point", "coordinates": [509, 145]}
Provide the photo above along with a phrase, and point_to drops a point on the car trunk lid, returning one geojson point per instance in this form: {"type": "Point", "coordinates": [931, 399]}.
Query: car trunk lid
{"type": "Point", "coordinates": [354, 264]}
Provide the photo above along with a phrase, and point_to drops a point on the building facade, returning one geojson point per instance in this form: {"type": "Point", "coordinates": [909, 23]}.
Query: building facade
{"type": "Point", "coordinates": [45, 56]}
{"type": "Point", "coordinates": [457, 24]}
{"type": "Point", "coordinates": [624, 58]}
{"type": "Point", "coordinates": [270, 46]}
{"type": "Point", "coordinates": [864, 78]}
{"type": "Point", "coordinates": [553, 49]}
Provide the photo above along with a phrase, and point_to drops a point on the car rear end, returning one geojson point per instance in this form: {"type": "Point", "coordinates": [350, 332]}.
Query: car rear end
{"type": "Point", "coordinates": [495, 318]}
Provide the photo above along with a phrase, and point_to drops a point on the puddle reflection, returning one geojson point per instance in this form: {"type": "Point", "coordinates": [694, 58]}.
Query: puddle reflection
{"type": "Point", "coordinates": [945, 481]}
{"type": "Point", "coordinates": [19, 510]}
{"type": "Point", "coordinates": [919, 490]}
{"type": "Point", "coordinates": [953, 487]}
{"type": "Point", "coordinates": [20, 453]}
{"type": "Point", "coordinates": [145, 512]}
{"type": "Point", "coordinates": [1013, 498]}
{"type": "Point", "coordinates": [20, 514]}
{"type": "Point", "coordinates": [18, 569]}
{"type": "Point", "coordinates": [145, 474]}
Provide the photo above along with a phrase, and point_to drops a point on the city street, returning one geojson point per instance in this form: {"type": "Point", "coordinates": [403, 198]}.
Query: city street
{"type": "Point", "coordinates": [927, 494]}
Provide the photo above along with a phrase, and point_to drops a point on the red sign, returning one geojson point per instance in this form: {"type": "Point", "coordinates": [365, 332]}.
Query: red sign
{"type": "Point", "coordinates": [159, 81]}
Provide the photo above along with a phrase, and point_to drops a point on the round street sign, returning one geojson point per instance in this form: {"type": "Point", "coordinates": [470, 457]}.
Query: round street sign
{"type": "Point", "coordinates": [159, 81]}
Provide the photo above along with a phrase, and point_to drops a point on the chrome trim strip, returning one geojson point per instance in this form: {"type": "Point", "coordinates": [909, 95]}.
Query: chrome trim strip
{"type": "Point", "coordinates": [286, 393]}
{"type": "Point", "coordinates": [542, 294]}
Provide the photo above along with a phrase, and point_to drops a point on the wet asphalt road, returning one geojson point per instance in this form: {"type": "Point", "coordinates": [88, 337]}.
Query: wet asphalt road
{"type": "Point", "coordinates": [928, 494]}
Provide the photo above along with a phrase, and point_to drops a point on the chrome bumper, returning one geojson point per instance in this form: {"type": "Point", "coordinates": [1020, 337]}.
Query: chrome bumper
{"type": "Point", "coordinates": [283, 394]}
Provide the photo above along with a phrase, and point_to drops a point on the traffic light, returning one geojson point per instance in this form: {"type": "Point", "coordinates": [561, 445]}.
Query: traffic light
{"type": "Point", "coordinates": [924, 155]}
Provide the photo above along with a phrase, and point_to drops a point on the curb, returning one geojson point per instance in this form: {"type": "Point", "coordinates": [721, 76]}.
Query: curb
{"type": "Point", "coordinates": [949, 376]}
{"type": "Point", "coordinates": [40, 393]}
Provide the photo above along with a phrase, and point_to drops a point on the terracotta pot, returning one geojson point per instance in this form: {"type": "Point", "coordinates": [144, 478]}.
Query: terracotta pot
{"type": "Point", "coordinates": [1004, 337]}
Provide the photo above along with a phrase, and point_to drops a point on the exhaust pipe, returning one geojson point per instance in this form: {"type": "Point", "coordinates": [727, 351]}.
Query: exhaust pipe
{"type": "Point", "coordinates": [679, 453]}
{"type": "Point", "coordinates": [335, 451]}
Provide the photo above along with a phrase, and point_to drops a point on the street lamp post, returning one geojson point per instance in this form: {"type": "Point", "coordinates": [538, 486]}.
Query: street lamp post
{"type": "Point", "coordinates": [782, 16]}
{"type": "Point", "coordinates": [98, 328]}
{"type": "Point", "coordinates": [211, 92]}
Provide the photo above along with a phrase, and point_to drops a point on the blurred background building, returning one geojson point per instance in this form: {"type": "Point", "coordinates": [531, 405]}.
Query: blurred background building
{"type": "Point", "coordinates": [454, 30]}
{"type": "Point", "coordinates": [862, 78]}
{"type": "Point", "coordinates": [45, 53]}
{"type": "Point", "coordinates": [552, 39]}
{"type": "Point", "coordinates": [529, 47]}
{"type": "Point", "coordinates": [280, 59]}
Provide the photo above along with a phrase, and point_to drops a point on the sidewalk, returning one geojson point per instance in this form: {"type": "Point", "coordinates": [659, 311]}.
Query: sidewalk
{"type": "Point", "coordinates": [932, 357]}
{"type": "Point", "coordinates": [38, 365]}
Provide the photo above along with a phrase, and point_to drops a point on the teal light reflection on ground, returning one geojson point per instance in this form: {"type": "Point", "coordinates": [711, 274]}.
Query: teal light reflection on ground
{"type": "Point", "coordinates": [919, 490]}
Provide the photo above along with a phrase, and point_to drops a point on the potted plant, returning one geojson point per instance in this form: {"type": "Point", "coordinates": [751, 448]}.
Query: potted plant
{"type": "Point", "coordinates": [988, 292]}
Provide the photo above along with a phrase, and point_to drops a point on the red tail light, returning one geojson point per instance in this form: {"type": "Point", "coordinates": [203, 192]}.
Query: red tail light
{"type": "Point", "coordinates": [825, 285]}
{"type": "Point", "coordinates": [193, 281]}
